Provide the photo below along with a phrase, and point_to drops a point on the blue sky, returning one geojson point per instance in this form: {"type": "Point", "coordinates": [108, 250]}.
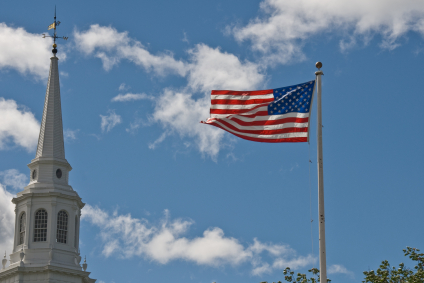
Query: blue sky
{"type": "Point", "coordinates": [171, 199]}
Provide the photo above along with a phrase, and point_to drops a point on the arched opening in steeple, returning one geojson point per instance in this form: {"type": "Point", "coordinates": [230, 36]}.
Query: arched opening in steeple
{"type": "Point", "coordinates": [22, 226]}
{"type": "Point", "coordinates": [40, 226]}
{"type": "Point", "coordinates": [76, 233]}
{"type": "Point", "coordinates": [62, 227]}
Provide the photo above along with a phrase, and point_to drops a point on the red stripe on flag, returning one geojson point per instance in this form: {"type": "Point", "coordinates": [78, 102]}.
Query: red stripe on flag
{"type": "Point", "coordinates": [240, 102]}
{"type": "Point", "coordinates": [259, 113]}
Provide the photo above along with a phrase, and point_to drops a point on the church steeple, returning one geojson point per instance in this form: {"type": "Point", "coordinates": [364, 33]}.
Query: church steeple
{"type": "Point", "coordinates": [49, 165]}
{"type": "Point", "coordinates": [48, 210]}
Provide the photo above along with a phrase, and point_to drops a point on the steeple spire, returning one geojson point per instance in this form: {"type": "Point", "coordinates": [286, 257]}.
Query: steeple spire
{"type": "Point", "coordinates": [50, 141]}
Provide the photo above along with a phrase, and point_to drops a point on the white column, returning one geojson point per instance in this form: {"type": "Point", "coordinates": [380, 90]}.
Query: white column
{"type": "Point", "coordinates": [53, 223]}
{"type": "Point", "coordinates": [321, 214]}
{"type": "Point", "coordinates": [16, 234]}
{"type": "Point", "coordinates": [28, 226]}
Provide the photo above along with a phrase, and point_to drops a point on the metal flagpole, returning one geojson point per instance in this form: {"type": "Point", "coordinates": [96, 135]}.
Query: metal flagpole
{"type": "Point", "coordinates": [322, 253]}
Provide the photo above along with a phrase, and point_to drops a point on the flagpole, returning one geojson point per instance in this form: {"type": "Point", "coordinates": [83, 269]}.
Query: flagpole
{"type": "Point", "coordinates": [322, 252]}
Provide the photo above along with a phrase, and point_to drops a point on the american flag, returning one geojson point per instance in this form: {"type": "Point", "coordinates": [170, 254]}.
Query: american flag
{"type": "Point", "coordinates": [272, 115]}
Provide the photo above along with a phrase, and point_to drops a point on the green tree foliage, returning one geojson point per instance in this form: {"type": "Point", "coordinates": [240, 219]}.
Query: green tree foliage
{"type": "Point", "coordinates": [289, 276]}
{"type": "Point", "coordinates": [384, 274]}
{"type": "Point", "coordinates": [387, 274]}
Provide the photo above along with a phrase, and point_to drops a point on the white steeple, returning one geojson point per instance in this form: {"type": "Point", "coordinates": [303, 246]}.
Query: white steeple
{"type": "Point", "coordinates": [49, 165]}
{"type": "Point", "coordinates": [48, 210]}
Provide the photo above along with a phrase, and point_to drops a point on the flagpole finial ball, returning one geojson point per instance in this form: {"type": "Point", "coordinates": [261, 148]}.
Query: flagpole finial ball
{"type": "Point", "coordinates": [318, 65]}
{"type": "Point", "coordinates": [54, 50]}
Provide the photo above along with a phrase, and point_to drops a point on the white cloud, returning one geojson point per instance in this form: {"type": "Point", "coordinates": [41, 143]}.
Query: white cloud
{"type": "Point", "coordinates": [125, 236]}
{"type": "Point", "coordinates": [131, 97]}
{"type": "Point", "coordinates": [25, 52]}
{"type": "Point", "coordinates": [179, 112]}
{"type": "Point", "coordinates": [337, 268]}
{"type": "Point", "coordinates": [110, 121]}
{"type": "Point", "coordinates": [9, 179]}
{"type": "Point", "coordinates": [158, 141]}
{"type": "Point", "coordinates": [123, 87]}
{"type": "Point", "coordinates": [295, 263]}
{"type": "Point", "coordinates": [70, 135]}
{"type": "Point", "coordinates": [13, 178]}
{"type": "Point", "coordinates": [112, 46]}
{"type": "Point", "coordinates": [280, 262]}
{"type": "Point", "coordinates": [419, 26]}
{"type": "Point", "coordinates": [7, 221]}
{"type": "Point", "coordinates": [185, 38]}
{"type": "Point", "coordinates": [286, 25]}
{"type": "Point", "coordinates": [133, 127]}
{"type": "Point", "coordinates": [18, 126]}
{"type": "Point", "coordinates": [210, 68]}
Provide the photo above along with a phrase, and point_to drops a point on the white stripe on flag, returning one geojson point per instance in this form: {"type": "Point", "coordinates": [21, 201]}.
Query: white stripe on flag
{"type": "Point", "coordinates": [278, 136]}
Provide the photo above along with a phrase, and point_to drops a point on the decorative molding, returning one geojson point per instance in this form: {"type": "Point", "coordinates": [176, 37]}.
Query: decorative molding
{"type": "Point", "coordinates": [48, 194]}
{"type": "Point", "coordinates": [49, 268]}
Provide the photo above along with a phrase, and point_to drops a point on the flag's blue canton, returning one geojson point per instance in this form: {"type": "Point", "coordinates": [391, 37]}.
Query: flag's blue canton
{"type": "Point", "coordinates": [295, 98]}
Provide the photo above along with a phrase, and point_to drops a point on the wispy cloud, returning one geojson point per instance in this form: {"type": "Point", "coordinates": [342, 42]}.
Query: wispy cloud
{"type": "Point", "coordinates": [338, 268]}
{"type": "Point", "coordinates": [131, 97]}
{"type": "Point", "coordinates": [112, 46]}
{"type": "Point", "coordinates": [158, 141]}
{"type": "Point", "coordinates": [125, 236]}
{"type": "Point", "coordinates": [12, 178]}
{"type": "Point", "coordinates": [185, 38]}
{"type": "Point", "coordinates": [181, 113]}
{"type": "Point", "coordinates": [123, 87]}
{"type": "Point", "coordinates": [18, 126]}
{"type": "Point", "coordinates": [286, 26]}
{"type": "Point", "coordinates": [110, 121]}
{"type": "Point", "coordinates": [70, 135]}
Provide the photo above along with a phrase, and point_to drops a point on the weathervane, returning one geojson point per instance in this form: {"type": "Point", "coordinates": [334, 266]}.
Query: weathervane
{"type": "Point", "coordinates": [53, 26]}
